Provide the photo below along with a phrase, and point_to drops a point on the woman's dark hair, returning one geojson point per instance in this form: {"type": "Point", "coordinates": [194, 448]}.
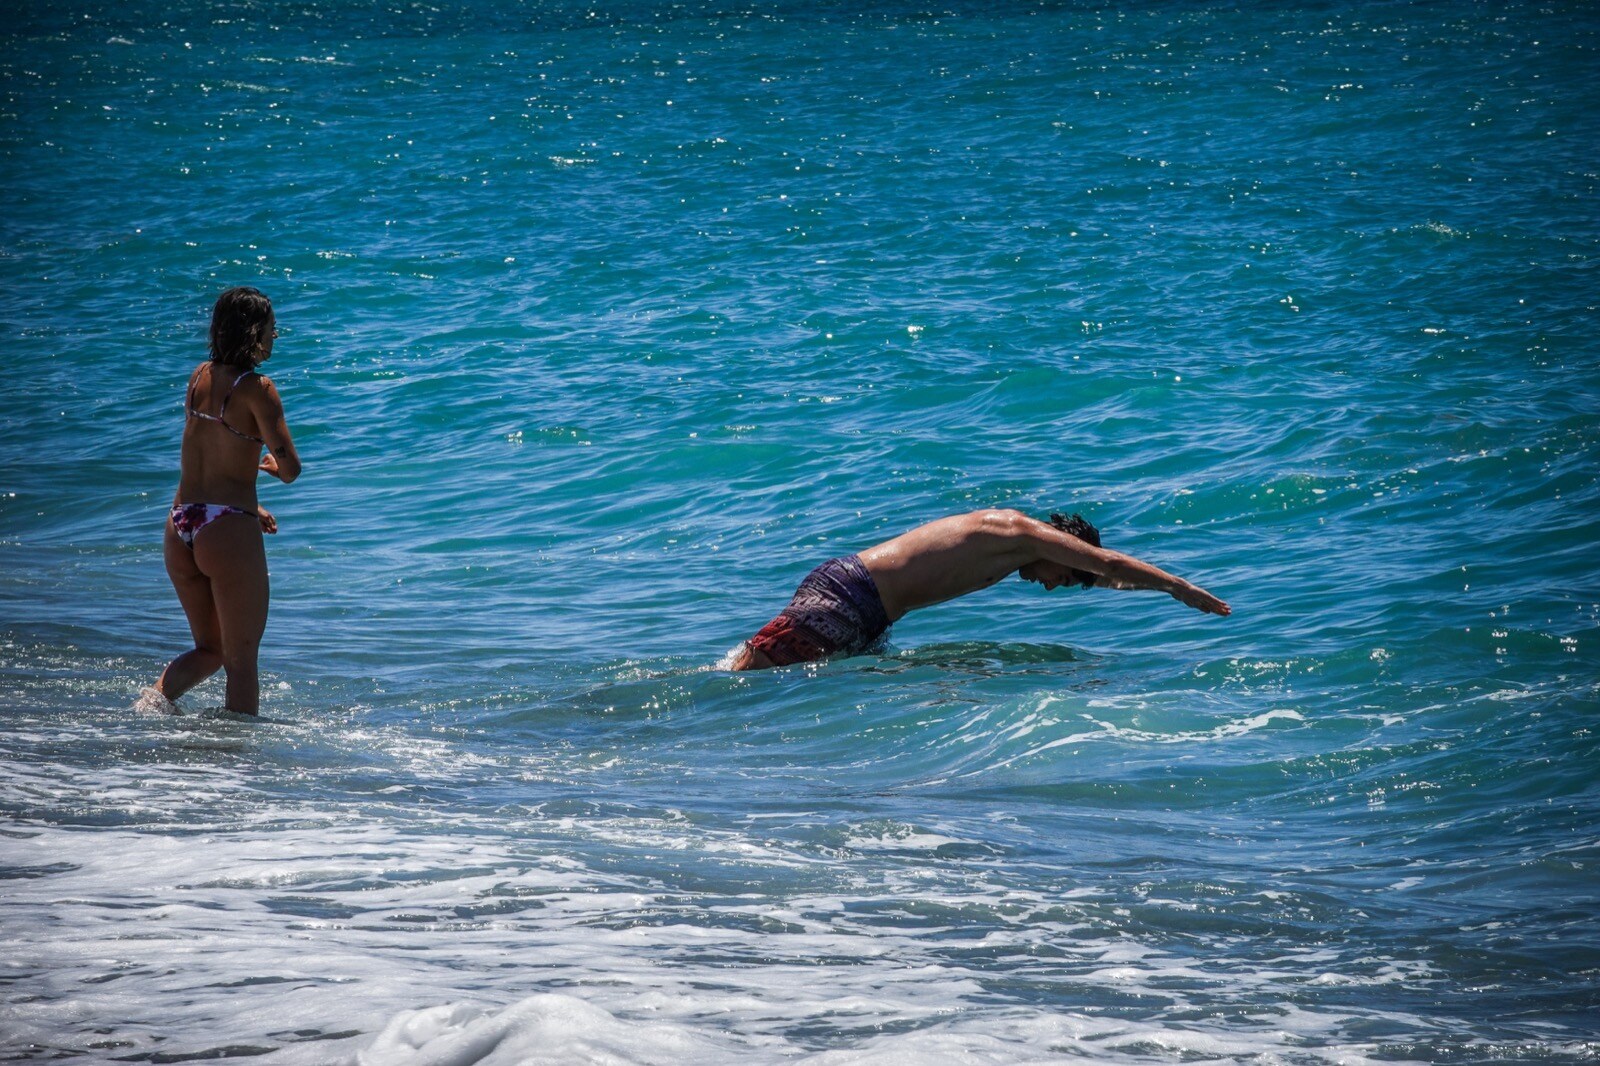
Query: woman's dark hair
{"type": "Point", "coordinates": [1079, 527]}
{"type": "Point", "coordinates": [240, 325]}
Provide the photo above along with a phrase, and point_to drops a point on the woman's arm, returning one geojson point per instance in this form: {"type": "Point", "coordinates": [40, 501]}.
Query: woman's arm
{"type": "Point", "coordinates": [282, 461]}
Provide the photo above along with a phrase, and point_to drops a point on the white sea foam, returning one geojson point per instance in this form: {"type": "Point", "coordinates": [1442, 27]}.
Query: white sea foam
{"type": "Point", "coordinates": [481, 948]}
{"type": "Point", "coordinates": [1111, 731]}
{"type": "Point", "coordinates": [554, 1029]}
{"type": "Point", "coordinates": [560, 1029]}
{"type": "Point", "coordinates": [900, 838]}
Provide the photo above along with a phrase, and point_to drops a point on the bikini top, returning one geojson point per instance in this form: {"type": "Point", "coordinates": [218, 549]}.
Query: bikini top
{"type": "Point", "coordinates": [217, 418]}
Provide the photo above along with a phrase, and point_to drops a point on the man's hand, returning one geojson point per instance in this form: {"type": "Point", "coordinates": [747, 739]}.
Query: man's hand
{"type": "Point", "coordinates": [268, 523]}
{"type": "Point", "coordinates": [1198, 598]}
{"type": "Point", "coordinates": [269, 465]}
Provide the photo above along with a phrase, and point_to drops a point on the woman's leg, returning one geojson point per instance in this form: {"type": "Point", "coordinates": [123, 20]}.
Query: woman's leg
{"type": "Point", "coordinates": [230, 553]}
{"type": "Point", "coordinates": [194, 593]}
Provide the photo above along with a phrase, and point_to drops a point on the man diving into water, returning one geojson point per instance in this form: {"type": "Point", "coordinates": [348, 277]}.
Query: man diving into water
{"type": "Point", "coordinates": [844, 606]}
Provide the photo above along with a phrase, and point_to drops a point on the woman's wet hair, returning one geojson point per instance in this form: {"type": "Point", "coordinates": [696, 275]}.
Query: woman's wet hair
{"type": "Point", "coordinates": [240, 325]}
{"type": "Point", "coordinates": [1079, 527]}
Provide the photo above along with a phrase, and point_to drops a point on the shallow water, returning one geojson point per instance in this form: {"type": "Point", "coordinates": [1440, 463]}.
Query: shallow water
{"type": "Point", "coordinates": [603, 325]}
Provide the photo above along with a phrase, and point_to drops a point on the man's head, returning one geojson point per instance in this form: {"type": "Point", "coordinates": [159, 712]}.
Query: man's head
{"type": "Point", "coordinates": [1050, 575]}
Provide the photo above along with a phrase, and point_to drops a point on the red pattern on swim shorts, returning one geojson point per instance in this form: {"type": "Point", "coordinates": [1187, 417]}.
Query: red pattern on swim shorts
{"type": "Point", "coordinates": [784, 642]}
{"type": "Point", "coordinates": [835, 611]}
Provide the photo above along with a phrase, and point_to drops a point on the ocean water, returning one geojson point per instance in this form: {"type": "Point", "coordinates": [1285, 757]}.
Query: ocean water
{"type": "Point", "coordinates": [605, 322]}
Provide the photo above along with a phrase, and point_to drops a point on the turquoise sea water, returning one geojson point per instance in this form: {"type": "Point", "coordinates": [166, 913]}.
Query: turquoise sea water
{"type": "Point", "coordinates": [604, 323]}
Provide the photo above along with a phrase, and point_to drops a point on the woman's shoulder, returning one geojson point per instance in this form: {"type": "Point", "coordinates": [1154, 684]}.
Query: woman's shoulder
{"type": "Point", "coordinates": [258, 385]}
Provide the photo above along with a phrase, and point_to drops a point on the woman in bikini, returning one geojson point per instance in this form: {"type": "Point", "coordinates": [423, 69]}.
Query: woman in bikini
{"type": "Point", "coordinates": [213, 548]}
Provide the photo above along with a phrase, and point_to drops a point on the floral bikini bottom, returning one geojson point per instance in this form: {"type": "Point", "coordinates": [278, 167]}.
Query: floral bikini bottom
{"type": "Point", "coordinates": [188, 519]}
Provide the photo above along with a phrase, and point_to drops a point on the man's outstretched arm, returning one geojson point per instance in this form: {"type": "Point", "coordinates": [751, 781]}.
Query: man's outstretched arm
{"type": "Point", "coordinates": [1117, 570]}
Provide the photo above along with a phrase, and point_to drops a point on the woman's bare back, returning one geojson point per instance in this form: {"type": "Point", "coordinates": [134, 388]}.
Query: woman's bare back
{"type": "Point", "coordinates": [223, 435]}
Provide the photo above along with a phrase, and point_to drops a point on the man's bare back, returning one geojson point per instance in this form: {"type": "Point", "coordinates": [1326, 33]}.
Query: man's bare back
{"type": "Point", "coordinates": [940, 561]}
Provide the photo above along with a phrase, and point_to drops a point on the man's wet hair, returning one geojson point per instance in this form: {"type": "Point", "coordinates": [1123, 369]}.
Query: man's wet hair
{"type": "Point", "coordinates": [1079, 527]}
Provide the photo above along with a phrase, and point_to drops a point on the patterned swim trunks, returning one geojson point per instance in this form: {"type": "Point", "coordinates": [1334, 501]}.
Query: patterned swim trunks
{"type": "Point", "coordinates": [835, 611]}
